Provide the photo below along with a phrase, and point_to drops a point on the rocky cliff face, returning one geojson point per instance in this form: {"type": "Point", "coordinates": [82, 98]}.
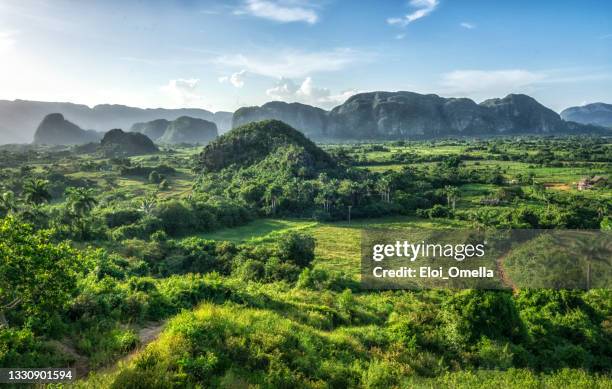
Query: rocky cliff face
{"type": "Point", "coordinates": [309, 120]}
{"type": "Point", "coordinates": [401, 115]}
{"type": "Point", "coordinates": [189, 130]}
{"type": "Point", "coordinates": [406, 114]}
{"type": "Point", "coordinates": [522, 114]}
{"type": "Point", "coordinates": [56, 130]}
{"type": "Point", "coordinates": [599, 114]}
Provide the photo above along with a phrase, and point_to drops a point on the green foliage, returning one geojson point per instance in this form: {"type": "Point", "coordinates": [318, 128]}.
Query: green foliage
{"type": "Point", "coordinates": [36, 191]}
{"type": "Point", "coordinates": [19, 347]}
{"type": "Point", "coordinates": [297, 247]}
{"type": "Point", "coordinates": [278, 309]}
{"type": "Point", "coordinates": [36, 275]}
{"type": "Point", "coordinates": [249, 144]}
{"type": "Point", "coordinates": [470, 315]}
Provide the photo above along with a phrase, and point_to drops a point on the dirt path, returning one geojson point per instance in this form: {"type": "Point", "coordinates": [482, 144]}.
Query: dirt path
{"type": "Point", "coordinates": [505, 279]}
{"type": "Point", "coordinates": [81, 362]}
{"type": "Point", "coordinates": [146, 335]}
{"type": "Point", "coordinates": [150, 333]}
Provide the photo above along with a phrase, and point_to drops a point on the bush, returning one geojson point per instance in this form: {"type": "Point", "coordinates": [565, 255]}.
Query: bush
{"type": "Point", "coordinates": [176, 218]}
{"type": "Point", "coordinates": [472, 314]}
{"type": "Point", "coordinates": [19, 347]}
{"type": "Point", "coordinates": [381, 375]}
{"type": "Point", "coordinates": [297, 247]}
{"type": "Point", "coordinates": [121, 217]}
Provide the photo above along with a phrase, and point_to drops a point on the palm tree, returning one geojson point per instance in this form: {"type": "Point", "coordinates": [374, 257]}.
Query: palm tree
{"type": "Point", "coordinates": [36, 191]}
{"type": "Point", "coordinates": [81, 201]}
{"type": "Point", "coordinates": [271, 195]}
{"type": "Point", "coordinates": [8, 204]}
{"type": "Point", "coordinates": [383, 186]}
{"type": "Point", "coordinates": [452, 194]}
{"type": "Point", "coordinates": [148, 204]}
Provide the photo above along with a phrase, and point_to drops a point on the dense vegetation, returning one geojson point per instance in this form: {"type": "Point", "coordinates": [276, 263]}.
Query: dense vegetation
{"type": "Point", "coordinates": [245, 247]}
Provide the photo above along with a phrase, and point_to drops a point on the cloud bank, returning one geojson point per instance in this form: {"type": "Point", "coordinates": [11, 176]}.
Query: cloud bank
{"type": "Point", "coordinates": [236, 79]}
{"type": "Point", "coordinates": [307, 93]}
{"type": "Point", "coordinates": [184, 92]}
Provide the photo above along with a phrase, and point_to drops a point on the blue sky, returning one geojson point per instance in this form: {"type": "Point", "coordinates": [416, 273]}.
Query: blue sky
{"type": "Point", "coordinates": [227, 54]}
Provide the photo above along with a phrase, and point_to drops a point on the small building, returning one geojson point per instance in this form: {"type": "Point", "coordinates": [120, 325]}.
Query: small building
{"type": "Point", "coordinates": [588, 183]}
{"type": "Point", "coordinates": [490, 201]}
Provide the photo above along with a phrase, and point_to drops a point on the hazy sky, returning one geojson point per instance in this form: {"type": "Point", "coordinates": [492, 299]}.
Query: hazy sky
{"type": "Point", "coordinates": [226, 54]}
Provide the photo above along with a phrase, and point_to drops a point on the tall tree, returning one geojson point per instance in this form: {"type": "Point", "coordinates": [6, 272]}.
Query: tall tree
{"type": "Point", "coordinates": [81, 201]}
{"type": "Point", "coordinates": [36, 191]}
{"type": "Point", "coordinates": [8, 203]}
{"type": "Point", "coordinates": [148, 204]}
{"type": "Point", "coordinates": [452, 194]}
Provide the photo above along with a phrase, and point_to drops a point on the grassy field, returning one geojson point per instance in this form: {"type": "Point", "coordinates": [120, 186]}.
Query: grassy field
{"type": "Point", "coordinates": [338, 244]}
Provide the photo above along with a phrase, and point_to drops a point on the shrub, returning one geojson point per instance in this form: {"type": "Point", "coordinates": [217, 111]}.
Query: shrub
{"type": "Point", "coordinates": [297, 247]}
{"type": "Point", "coordinates": [175, 217]}
{"type": "Point", "coordinates": [121, 217]}
{"type": "Point", "coordinates": [472, 314]}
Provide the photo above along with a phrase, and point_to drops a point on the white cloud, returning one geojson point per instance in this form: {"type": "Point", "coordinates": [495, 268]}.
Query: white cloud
{"type": "Point", "coordinates": [495, 82]}
{"type": "Point", "coordinates": [469, 26]}
{"type": "Point", "coordinates": [236, 79]}
{"type": "Point", "coordinates": [400, 36]}
{"type": "Point", "coordinates": [293, 64]}
{"type": "Point", "coordinates": [307, 93]}
{"type": "Point", "coordinates": [423, 8]}
{"type": "Point", "coordinates": [184, 92]}
{"type": "Point", "coordinates": [285, 89]}
{"type": "Point", "coordinates": [279, 11]}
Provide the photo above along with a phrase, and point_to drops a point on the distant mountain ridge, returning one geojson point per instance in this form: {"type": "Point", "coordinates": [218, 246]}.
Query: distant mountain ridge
{"type": "Point", "coordinates": [184, 129]}
{"type": "Point", "coordinates": [20, 118]}
{"type": "Point", "coordinates": [402, 115]}
{"type": "Point", "coordinates": [596, 113]}
{"type": "Point", "coordinates": [364, 116]}
{"type": "Point", "coordinates": [189, 130]}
